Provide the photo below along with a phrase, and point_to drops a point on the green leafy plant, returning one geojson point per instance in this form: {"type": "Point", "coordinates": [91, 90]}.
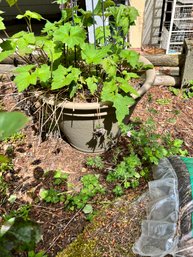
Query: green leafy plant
{"type": "Point", "coordinates": [19, 136]}
{"type": "Point", "coordinates": [17, 235]}
{"type": "Point", "coordinates": [118, 190]}
{"type": "Point", "coordinates": [39, 254]}
{"type": "Point", "coordinates": [61, 58]}
{"type": "Point", "coordinates": [90, 187]}
{"type": "Point", "coordinates": [186, 91]}
{"type": "Point", "coordinates": [60, 177]}
{"type": "Point", "coordinates": [22, 212]}
{"type": "Point", "coordinates": [163, 101]}
{"type": "Point", "coordinates": [145, 148]}
{"type": "Point", "coordinates": [5, 164]}
{"type": "Point", "coordinates": [51, 195]}
{"type": "Point", "coordinates": [95, 162]}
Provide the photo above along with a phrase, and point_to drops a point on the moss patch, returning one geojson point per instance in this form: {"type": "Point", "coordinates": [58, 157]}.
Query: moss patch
{"type": "Point", "coordinates": [112, 232]}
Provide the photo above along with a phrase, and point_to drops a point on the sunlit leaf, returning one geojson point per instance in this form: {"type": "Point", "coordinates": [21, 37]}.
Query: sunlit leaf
{"type": "Point", "coordinates": [88, 209]}
{"type": "Point", "coordinates": [10, 123]}
{"type": "Point", "coordinates": [11, 2]}
{"type": "Point", "coordinates": [70, 35]}
{"type": "Point", "coordinates": [31, 15]}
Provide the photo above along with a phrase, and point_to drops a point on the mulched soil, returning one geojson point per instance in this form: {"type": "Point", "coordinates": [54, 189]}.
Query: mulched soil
{"type": "Point", "coordinates": [31, 158]}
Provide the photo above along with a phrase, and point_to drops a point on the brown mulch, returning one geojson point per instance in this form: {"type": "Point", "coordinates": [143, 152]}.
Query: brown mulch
{"type": "Point", "coordinates": [171, 113]}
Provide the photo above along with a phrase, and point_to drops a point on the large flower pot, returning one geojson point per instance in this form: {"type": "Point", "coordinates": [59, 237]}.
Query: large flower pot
{"type": "Point", "coordinates": [92, 127]}
{"type": "Point", "coordinates": [89, 127]}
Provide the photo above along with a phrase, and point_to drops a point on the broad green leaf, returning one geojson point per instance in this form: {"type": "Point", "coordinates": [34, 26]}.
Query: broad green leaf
{"type": "Point", "coordinates": [24, 80]}
{"type": "Point", "coordinates": [24, 235]}
{"type": "Point", "coordinates": [132, 57]}
{"type": "Point", "coordinates": [70, 35]}
{"type": "Point", "coordinates": [25, 42]}
{"type": "Point", "coordinates": [5, 54]}
{"type": "Point", "coordinates": [125, 86]}
{"type": "Point", "coordinates": [24, 68]}
{"type": "Point", "coordinates": [10, 123]}
{"type": "Point", "coordinates": [88, 209]}
{"type": "Point", "coordinates": [8, 45]}
{"type": "Point", "coordinates": [102, 5]}
{"type": "Point", "coordinates": [129, 75]}
{"type": "Point", "coordinates": [86, 18]}
{"type": "Point", "coordinates": [2, 25]}
{"type": "Point", "coordinates": [11, 2]}
{"type": "Point", "coordinates": [102, 34]}
{"type": "Point", "coordinates": [52, 50]}
{"type": "Point", "coordinates": [122, 104]}
{"type": "Point", "coordinates": [64, 76]}
{"type": "Point", "coordinates": [133, 14]}
{"type": "Point", "coordinates": [32, 15]}
{"type": "Point", "coordinates": [92, 55]}
{"type": "Point", "coordinates": [49, 27]}
{"type": "Point", "coordinates": [43, 73]}
{"type": "Point", "coordinates": [110, 66]}
{"type": "Point", "coordinates": [92, 84]}
{"type": "Point", "coordinates": [109, 90]}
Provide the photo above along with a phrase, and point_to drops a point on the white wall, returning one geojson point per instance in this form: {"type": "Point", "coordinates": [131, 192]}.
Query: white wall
{"type": "Point", "coordinates": [152, 20]}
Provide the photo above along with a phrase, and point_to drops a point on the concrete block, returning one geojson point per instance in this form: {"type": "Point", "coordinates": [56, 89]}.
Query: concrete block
{"type": "Point", "coordinates": [187, 70]}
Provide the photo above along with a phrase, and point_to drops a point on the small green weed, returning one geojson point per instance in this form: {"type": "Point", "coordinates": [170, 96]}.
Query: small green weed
{"type": "Point", "coordinates": [15, 137]}
{"type": "Point", "coordinates": [3, 186]}
{"type": "Point", "coordinates": [118, 190]}
{"type": "Point", "coordinates": [186, 91]}
{"type": "Point", "coordinates": [39, 254]}
{"type": "Point", "coordinates": [91, 187]}
{"type": "Point", "coordinates": [51, 195]}
{"type": "Point", "coordinates": [22, 212]}
{"type": "Point", "coordinates": [5, 164]}
{"type": "Point", "coordinates": [163, 101]}
{"type": "Point", "coordinates": [60, 177]}
{"type": "Point", "coordinates": [95, 162]}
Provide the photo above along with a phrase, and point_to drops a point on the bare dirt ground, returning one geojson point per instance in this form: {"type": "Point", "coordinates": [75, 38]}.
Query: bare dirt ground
{"type": "Point", "coordinates": [32, 157]}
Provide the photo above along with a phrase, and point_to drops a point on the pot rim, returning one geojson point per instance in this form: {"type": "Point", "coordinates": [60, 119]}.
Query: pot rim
{"type": "Point", "coordinates": [150, 77]}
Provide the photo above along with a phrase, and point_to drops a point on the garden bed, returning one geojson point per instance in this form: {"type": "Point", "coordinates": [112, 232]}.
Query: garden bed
{"type": "Point", "coordinates": [31, 158]}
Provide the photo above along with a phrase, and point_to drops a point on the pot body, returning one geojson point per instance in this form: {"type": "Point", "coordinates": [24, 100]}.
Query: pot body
{"type": "Point", "coordinates": [90, 130]}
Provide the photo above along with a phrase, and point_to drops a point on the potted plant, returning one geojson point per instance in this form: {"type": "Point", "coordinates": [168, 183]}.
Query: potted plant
{"type": "Point", "coordinates": [86, 84]}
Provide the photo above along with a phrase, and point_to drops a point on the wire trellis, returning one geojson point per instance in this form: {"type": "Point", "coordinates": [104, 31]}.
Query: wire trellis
{"type": "Point", "coordinates": [102, 21]}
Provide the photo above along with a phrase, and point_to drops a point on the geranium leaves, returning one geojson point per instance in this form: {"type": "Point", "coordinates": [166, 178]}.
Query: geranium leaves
{"type": "Point", "coordinates": [30, 75]}
{"type": "Point", "coordinates": [64, 76]}
{"type": "Point", "coordinates": [94, 55]}
{"type": "Point", "coordinates": [70, 35]}
{"type": "Point", "coordinates": [122, 104]}
{"type": "Point", "coordinates": [92, 84]}
{"type": "Point", "coordinates": [131, 57]}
